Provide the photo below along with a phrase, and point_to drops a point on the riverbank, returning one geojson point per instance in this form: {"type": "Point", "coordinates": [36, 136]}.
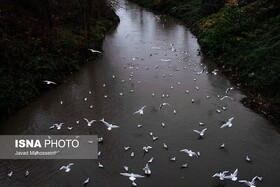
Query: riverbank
{"type": "Point", "coordinates": [243, 38]}
{"type": "Point", "coordinates": [46, 41]}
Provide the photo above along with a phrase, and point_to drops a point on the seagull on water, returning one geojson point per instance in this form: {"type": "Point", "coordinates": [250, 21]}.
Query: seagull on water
{"type": "Point", "coordinates": [132, 177]}
{"type": "Point", "coordinates": [109, 126]}
{"type": "Point", "coordinates": [94, 51]}
{"type": "Point", "coordinates": [100, 165]}
{"type": "Point", "coordinates": [147, 170]}
{"type": "Point", "coordinates": [89, 123]}
{"type": "Point", "coordinates": [221, 175]}
{"type": "Point", "coordinates": [232, 176]}
{"type": "Point", "coordinates": [49, 82]}
{"type": "Point", "coordinates": [173, 159]}
{"type": "Point", "coordinates": [67, 168]}
{"type": "Point", "coordinates": [252, 182]}
{"type": "Point", "coordinates": [26, 173]}
{"type": "Point", "coordinates": [140, 111]}
{"type": "Point", "coordinates": [228, 123]}
{"type": "Point", "coordinates": [165, 146]}
{"type": "Point", "coordinates": [222, 146]}
{"type": "Point", "coordinates": [201, 133]}
{"type": "Point", "coordinates": [126, 148]}
{"type": "Point", "coordinates": [189, 152]}
{"type": "Point", "coordinates": [139, 126]}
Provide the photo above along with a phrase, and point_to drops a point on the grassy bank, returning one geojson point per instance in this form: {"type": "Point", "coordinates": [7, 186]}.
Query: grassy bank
{"type": "Point", "coordinates": [46, 40]}
{"type": "Point", "coordinates": [243, 38]}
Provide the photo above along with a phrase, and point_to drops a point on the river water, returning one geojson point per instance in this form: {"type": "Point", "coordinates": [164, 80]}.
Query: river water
{"type": "Point", "coordinates": [161, 53]}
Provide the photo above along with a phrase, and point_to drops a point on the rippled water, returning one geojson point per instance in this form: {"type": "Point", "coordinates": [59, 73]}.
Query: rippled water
{"type": "Point", "coordinates": [133, 51]}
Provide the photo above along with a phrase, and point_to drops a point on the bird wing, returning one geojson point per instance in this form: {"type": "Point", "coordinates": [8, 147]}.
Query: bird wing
{"type": "Point", "coordinates": [126, 174]}
{"type": "Point", "coordinates": [203, 130]}
{"type": "Point", "coordinates": [235, 172]}
{"type": "Point", "coordinates": [230, 120]}
{"type": "Point", "coordinates": [196, 131]}
{"type": "Point", "coordinates": [86, 120]}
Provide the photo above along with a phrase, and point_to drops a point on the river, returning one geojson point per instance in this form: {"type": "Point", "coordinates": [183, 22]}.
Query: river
{"type": "Point", "coordinates": [162, 54]}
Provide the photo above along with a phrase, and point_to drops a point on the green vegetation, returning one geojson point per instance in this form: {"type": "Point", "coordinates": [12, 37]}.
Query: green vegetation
{"type": "Point", "coordinates": [46, 40]}
{"type": "Point", "coordinates": [243, 37]}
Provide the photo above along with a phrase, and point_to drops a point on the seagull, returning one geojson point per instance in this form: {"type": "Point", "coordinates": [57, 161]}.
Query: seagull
{"type": "Point", "coordinates": [232, 176]}
{"type": "Point", "coordinates": [26, 173]}
{"type": "Point", "coordinates": [94, 51]}
{"type": "Point", "coordinates": [100, 165]}
{"type": "Point", "coordinates": [165, 146]}
{"type": "Point", "coordinates": [67, 168]}
{"type": "Point", "coordinates": [121, 94]}
{"type": "Point", "coordinates": [99, 153]}
{"type": "Point", "coordinates": [146, 148]}
{"type": "Point", "coordinates": [184, 165]}
{"type": "Point", "coordinates": [215, 71]}
{"type": "Point", "coordinates": [89, 122]}
{"type": "Point", "coordinates": [222, 146]}
{"type": "Point", "coordinates": [248, 159]}
{"type": "Point", "coordinates": [174, 111]}
{"type": "Point", "coordinates": [189, 152]}
{"type": "Point", "coordinates": [201, 123]}
{"type": "Point", "coordinates": [163, 104]}
{"type": "Point", "coordinates": [10, 174]}
{"type": "Point", "coordinates": [201, 133]}
{"type": "Point", "coordinates": [132, 177]}
{"type": "Point", "coordinates": [228, 123]}
{"type": "Point", "coordinates": [163, 124]}
{"type": "Point", "coordinates": [218, 111]}
{"type": "Point", "coordinates": [109, 126]}
{"type": "Point", "coordinates": [139, 126]}
{"type": "Point", "coordinates": [173, 159]}
{"type": "Point", "coordinates": [58, 126]}
{"type": "Point", "coordinates": [252, 182]}
{"type": "Point", "coordinates": [228, 89]}
{"type": "Point", "coordinates": [69, 128]}
{"type": "Point", "coordinates": [126, 148]}
{"type": "Point", "coordinates": [155, 138]}
{"type": "Point", "coordinates": [147, 170]}
{"type": "Point", "coordinates": [86, 181]}
{"type": "Point", "coordinates": [100, 139]}
{"type": "Point", "coordinates": [132, 154]}
{"type": "Point", "coordinates": [125, 168]}
{"type": "Point", "coordinates": [221, 175]}
{"type": "Point", "coordinates": [151, 160]}
{"type": "Point", "coordinates": [140, 111]}
{"type": "Point", "coordinates": [49, 82]}
{"type": "Point", "coordinates": [226, 97]}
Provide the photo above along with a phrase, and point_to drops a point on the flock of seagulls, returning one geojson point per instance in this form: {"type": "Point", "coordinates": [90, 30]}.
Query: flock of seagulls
{"type": "Point", "coordinates": [201, 133]}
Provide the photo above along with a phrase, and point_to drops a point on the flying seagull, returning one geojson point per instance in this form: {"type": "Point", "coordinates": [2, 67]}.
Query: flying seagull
{"type": "Point", "coordinates": [109, 126]}
{"type": "Point", "coordinates": [252, 182]}
{"type": "Point", "coordinates": [228, 123]}
{"type": "Point", "coordinates": [67, 168]}
{"type": "Point", "coordinates": [140, 111]}
{"type": "Point", "coordinates": [94, 51]}
{"type": "Point", "coordinates": [201, 133]}
{"type": "Point", "coordinates": [132, 177]}
{"type": "Point", "coordinates": [232, 176]}
{"type": "Point", "coordinates": [49, 82]}
{"type": "Point", "coordinates": [164, 104]}
{"type": "Point", "coordinates": [147, 170]}
{"type": "Point", "coordinates": [189, 152]}
{"type": "Point", "coordinates": [89, 123]}
{"type": "Point", "coordinates": [221, 175]}
{"type": "Point", "coordinates": [86, 181]}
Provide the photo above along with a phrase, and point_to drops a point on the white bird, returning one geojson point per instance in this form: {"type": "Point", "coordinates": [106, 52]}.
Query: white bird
{"type": "Point", "coordinates": [155, 138]}
{"type": "Point", "coordinates": [132, 177]}
{"type": "Point", "coordinates": [226, 97]}
{"type": "Point", "coordinates": [174, 111]}
{"type": "Point", "coordinates": [164, 104]}
{"type": "Point", "coordinates": [67, 168]}
{"type": "Point", "coordinates": [26, 173]}
{"type": "Point", "coordinates": [189, 152]}
{"type": "Point", "coordinates": [215, 71]}
{"type": "Point", "coordinates": [109, 126]}
{"type": "Point", "coordinates": [10, 174]}
{"type": "Point", "coordinates": [89, 123]}
{"type": "Point", "coordinates": [165, 146]}
{"type": "Point", "coordinates": [49, 82]}
{"type": "Point", "coordinates": [163, 124]}
{"type": "Point", "coordinates": [252, 182]}
{"type": "Point", "coordinates": [228, 89]}
{"type": "Point", "coordinates": [228, 123]}
{"type": "Point", "coordinates": [232, 176]}
{"type": "Point", "coordinates": [139, 126]}
{"type": "Point", "coordinates": [125, 168]}
{"type": "Point", "coordinates": [248, 159]}
{"type": "Point", "coordinates": [184, 165]}
{"type": "Point", "coordinates": [147, 170]}
{"type": "Point", "coordinates": [69, 128]}
{"type": "Point", "coordinates": [146, 148]}
{"type": "Point", "coordinates": [100, 165]}
{"type": "Point", "coordinates": [121, 94]}
{"type": "Point", "coordinates": [140, 111]}
{"type": "Point", "coordinates": [201, 133]}
{"type": "Point", "coordinates": [94, 51]}
{"type": "Point", "coordinates": [100, 139]}
{"type": "Point", "coordinates": [99, 153]}
{"type": "Point", "coordinates": [132, 154]}
{"type": "Point", "coordinates": [221, 175]}
{"type": "Point", "coordinates": [218, 111]}
{"type": "Point", "coordinates": [201, 123]}
{"type": "Point", "coordinates": [173, 159]}
{"type": "Point", "coordinates": [222, 146]}
{"type": "Point", "coordinates": [58, 126]}
{"type": "Point", "coordinates": [126, 148]}
{"type": "Point", "coordinates": [86, 181]}
{"type": "Point", "coordinates": [151, 160]}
